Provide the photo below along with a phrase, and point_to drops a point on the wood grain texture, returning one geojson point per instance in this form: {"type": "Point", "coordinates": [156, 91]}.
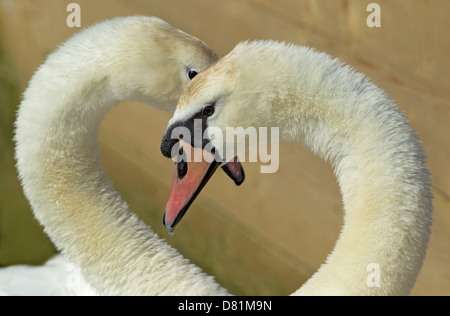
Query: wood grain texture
{"type": "Point", "coordinates": [273, 232]}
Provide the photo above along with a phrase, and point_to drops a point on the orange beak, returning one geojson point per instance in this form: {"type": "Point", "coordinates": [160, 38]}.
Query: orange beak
{"type": "Point", "coordinates": [190, 177]}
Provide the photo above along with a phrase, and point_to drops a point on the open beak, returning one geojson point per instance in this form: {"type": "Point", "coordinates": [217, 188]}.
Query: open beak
{"type": "Point", "coordinates": [190, 177]}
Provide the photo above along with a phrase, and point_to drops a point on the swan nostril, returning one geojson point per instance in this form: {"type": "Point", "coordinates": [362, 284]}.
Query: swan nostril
{"type": "Point", "coordinates": [182, 168]}
{"type": "Point", "coordinates": [181, 151]}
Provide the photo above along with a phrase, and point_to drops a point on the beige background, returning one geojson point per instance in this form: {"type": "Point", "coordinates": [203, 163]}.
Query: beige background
{"type": "Point", "coordinates": [271, 234]}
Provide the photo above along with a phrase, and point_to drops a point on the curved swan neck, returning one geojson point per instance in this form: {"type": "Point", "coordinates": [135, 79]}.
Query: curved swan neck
{"type": "Point", "coordinates": [387, 202]}
{"type": "Point", "coordinates": [380, 167]}
{"type": "Point", "coordinates": [60, 167]}
{"type": "Point", "coordinates": [342, 117]}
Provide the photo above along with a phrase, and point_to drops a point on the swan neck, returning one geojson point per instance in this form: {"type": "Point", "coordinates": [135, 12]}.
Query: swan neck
{"type": "Point", "coordinates": [379, 164]}
{"type": "Point", "coordinates": [59, 164]}
{"type": "Point", "coordinates": [385, 190]}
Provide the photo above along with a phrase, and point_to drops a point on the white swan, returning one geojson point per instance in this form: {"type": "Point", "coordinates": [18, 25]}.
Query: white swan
{"type": "Point", "coordinates": [57, 277]}
{"type": "Point", "coordinates": [136, 58]}
{"type": "Point", "coordinates": [341, 116]}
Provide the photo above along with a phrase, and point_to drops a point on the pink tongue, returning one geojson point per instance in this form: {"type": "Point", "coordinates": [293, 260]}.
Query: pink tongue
{"type": "Point", "coordinates": [235, 171]}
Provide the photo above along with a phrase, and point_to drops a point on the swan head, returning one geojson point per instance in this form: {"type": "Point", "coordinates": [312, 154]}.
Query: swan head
{"type": "Point", "coordinates": [237, 92]}
{"type": "Point", "coordinates": [154, 61]}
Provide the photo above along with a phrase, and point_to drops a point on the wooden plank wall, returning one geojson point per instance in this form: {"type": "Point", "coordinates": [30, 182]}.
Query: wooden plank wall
{"type": "Point", "coordinates": [268, 236]}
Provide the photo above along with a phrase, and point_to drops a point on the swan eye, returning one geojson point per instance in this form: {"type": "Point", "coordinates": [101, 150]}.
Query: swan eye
{"type": "Point", "coordinates": [208, 110]}
{"type": "Point", "coordinates": [191, 74]}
